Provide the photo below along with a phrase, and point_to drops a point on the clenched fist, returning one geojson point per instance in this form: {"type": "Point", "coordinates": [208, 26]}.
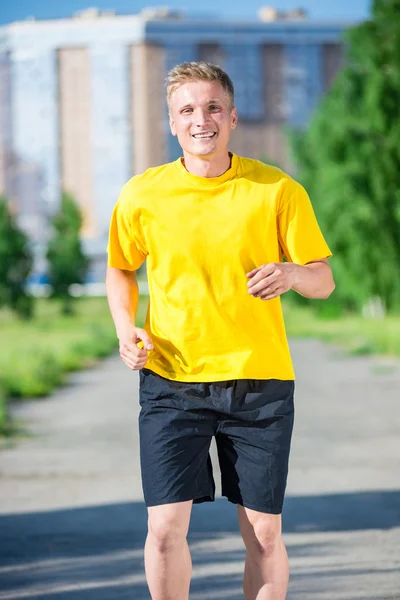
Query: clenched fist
{"type": "Point", "coordinates": [134, 345]}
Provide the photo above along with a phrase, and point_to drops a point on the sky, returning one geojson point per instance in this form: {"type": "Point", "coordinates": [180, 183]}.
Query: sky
{"type": "Point", "coordinates": [348, 10]}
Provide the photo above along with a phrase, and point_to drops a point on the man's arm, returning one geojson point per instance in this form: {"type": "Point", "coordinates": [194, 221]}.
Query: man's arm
{"type": "Point", "coordinates": [123, 298]}
{"type": "Point", "coordinates": [313, 280]}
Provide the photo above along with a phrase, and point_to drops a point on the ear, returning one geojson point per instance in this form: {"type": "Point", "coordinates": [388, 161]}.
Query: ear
{"type": "Point", "coordinates": [172, 125]}
{"type": "Point", "coordinates": [234, 118]}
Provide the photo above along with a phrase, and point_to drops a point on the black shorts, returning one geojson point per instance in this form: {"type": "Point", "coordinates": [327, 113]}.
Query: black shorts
{"type": "Point", "coordinates": [252, 421]}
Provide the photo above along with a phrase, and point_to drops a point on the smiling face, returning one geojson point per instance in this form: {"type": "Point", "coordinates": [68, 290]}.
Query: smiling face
{"type": "Point", "coordinates": [202, 117]}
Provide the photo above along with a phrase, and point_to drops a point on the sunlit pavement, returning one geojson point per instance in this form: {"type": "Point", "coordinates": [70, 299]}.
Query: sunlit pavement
{"type": "Point", "coordinates": [73, 523]}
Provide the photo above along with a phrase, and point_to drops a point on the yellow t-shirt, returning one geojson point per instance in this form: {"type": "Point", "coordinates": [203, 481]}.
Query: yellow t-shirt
{"type": "Point", "coordinates": [200, 237]}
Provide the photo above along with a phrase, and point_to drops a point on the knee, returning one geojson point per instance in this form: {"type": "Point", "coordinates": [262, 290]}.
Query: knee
{"type": "Point", "coordinates": [264, 536]}
{"type": "Point", "coordinates": [166, 532]}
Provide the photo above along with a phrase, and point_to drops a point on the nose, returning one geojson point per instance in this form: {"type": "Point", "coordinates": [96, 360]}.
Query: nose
{"type": "Point", "coordinates": [201, 117]}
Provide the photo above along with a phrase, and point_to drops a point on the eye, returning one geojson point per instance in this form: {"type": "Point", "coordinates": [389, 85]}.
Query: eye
{"type": "Point", "coordinates": [214, 107]}
{"type": "Point", "coordinates": [186, 111]}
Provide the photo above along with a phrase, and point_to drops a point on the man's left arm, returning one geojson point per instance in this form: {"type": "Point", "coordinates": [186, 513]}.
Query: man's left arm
{"type": "Point", "coordinates": [312, 280]}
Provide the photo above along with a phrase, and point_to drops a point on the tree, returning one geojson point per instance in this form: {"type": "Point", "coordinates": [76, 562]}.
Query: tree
{"type": "Point", "coordinates": [67, 263]}
{"type": "Point", "coordinates": [15, 264]}
{"type": "Point", "coordinates": [349, 162]}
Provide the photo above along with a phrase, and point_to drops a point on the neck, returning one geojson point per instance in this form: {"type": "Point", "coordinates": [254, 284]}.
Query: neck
{"type": "Point", "coordinates": [207, 166]}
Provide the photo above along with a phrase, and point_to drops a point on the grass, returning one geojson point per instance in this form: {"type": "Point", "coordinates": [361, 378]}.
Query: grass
{"type": "Point", "coordinates": [54, 332]}
{"type": "Point", "coordinates": [358, 335]}
{"type": "Point", "coordinates": [36, 355]}
{"type": "Point", "coordinates": [51, 330]}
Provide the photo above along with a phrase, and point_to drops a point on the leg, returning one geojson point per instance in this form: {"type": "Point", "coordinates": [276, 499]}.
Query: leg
{"type": "Point", "coordinates": [167, 557]}
{"type": "Point", "coordinates": [266, 571]}
{"type": "Point", "coordinates": [175, 467]}
{"type": "Point", "coordinates": [253, 448]}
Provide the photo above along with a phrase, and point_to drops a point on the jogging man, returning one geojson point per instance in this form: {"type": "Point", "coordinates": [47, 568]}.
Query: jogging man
{"type": "Point", "coordinates": [213, 357]}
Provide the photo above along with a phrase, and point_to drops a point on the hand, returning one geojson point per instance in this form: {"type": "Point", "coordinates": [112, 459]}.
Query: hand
{"type": "Point", "coordinates": [134, 344]}
{"type": "Point", "coordinates": [271, 280]}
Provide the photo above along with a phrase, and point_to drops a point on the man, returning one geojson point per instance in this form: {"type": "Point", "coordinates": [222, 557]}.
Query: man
{"type": "Point", "coordinates": [214, 228]}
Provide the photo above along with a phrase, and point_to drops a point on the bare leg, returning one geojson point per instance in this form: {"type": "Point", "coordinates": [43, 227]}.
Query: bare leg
{"type": "Point", "coordinates": [167, 558]}
{"type": "Point", "coordinates": [266, 571]}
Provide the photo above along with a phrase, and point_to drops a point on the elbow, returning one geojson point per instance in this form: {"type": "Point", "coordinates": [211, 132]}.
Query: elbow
{"type": "Point", "coordinates": [328, 284]}
{"type": "Point", "coordinates": [328, 290]}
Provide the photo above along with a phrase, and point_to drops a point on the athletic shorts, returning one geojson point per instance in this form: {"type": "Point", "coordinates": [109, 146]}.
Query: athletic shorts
{"type": "Point", "coordinates": [252, 421]}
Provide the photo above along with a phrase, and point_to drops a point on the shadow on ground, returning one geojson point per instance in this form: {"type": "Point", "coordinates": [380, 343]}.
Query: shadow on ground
{"type": "Point", "coordinates": [97, 552]}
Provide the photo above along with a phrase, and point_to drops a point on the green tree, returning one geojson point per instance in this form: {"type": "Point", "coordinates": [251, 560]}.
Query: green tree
{"type": "Point", "coordinates": [349, 161]}
{"type": "Point", "coordinates": [15, 264]}
{"type": "Point", "coordinates": [67, 263]}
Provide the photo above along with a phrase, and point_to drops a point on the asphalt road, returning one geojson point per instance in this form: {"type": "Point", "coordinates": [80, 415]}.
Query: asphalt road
{"type": "Point", "coordinates": [73, 523]}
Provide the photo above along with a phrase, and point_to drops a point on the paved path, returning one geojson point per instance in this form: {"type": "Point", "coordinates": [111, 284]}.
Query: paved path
{"type": "Point", "coordinates": [72, 520]}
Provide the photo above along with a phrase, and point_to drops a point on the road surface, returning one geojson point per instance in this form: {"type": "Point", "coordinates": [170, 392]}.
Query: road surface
{"type": "Point", "coordinates": [73, 523]}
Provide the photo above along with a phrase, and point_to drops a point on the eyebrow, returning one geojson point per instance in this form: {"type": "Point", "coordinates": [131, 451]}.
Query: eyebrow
{"type": "Point", "coordinates": [209, 102]}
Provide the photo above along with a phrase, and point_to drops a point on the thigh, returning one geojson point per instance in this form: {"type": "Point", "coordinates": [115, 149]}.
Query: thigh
{"type": "Point", "coordinates": [174, 443]}
{"type": "Point", "coordinates": [254, 444]}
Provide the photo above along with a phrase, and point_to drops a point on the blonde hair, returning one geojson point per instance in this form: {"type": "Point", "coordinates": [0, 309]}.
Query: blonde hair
{"type": "Point", "coordinates": [198, 71]}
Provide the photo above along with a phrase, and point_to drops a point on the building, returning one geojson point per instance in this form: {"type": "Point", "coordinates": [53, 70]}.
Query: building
{"type": "Point", "coordinates": [82, 104]}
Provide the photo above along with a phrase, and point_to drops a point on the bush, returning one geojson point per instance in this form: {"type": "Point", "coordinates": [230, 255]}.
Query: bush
{"type": "Point", "coordinates": [100, 343]}
{"type": "Point", "coordinates": [31, 373]}
{"type": "Point", "coordinates": [16, 261]}
{"type": "Point", "coordinates": [71, 360]}
{"type": "Point", "coordinates": [37, 371]}
{"type": "Point", "coordinates": [67, 264]}
{"type": "Point", "coordinates": [4, 416]}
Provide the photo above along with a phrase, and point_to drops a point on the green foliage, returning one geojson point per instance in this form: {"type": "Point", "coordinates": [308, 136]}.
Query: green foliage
{"type": "Point", "coordinates": [359, 336]}
{"type": "Point", "coordinates": [66, 260]}
{"type": "Point", "coordinates": [35, 356]}
{"type": "Point", "coordinates": [349, 161]}
{"type": "Point", "coordinates": [72, 361]}
{"type": "Point", "coordinates": [31, 372]}
{"type": "Point", "coordinates": [37, 369]}
{"type": "Point", "coordinates": [4, 416]}
{"type": "Point", "coordinates": [99, 344]}
{"type": "Point", "coordinates": [15, 264]}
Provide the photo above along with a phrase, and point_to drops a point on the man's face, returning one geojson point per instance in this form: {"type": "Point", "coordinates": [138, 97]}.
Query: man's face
{"type": "Point", "coordinates": [202, 118]}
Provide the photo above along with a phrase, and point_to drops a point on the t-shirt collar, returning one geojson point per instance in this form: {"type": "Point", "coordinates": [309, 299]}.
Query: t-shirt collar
{"type": "Point", "coordinates": [208, 181]}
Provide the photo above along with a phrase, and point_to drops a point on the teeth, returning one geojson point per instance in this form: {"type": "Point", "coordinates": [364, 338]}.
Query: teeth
{"type": "Point", "coordinates": [203, 135]}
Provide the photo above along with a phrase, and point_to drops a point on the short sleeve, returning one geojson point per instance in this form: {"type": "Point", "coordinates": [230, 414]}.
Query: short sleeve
{"type": "Point", "coordinates": [299, 234]}
{"type": "Point", "coordinates": [125, 247]}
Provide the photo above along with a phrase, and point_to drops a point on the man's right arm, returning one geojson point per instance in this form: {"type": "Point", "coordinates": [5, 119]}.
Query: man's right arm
{"type": "Point", "coordinates": [123, 297]}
